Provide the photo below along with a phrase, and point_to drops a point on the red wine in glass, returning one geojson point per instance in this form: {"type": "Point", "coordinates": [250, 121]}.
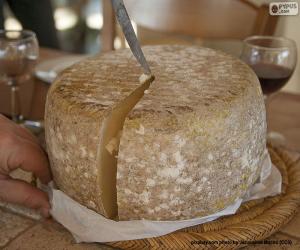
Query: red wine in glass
{"type": "Point", "coordinates": [272, 77]}
{"type": "Point", "coordinates": [272, 58]}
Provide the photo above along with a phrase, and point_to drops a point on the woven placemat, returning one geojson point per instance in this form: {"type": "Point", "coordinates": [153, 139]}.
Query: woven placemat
{"type": "Point", "coordinates": [254, 221]}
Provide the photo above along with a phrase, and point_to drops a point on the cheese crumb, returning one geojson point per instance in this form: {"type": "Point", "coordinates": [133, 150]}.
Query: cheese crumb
{"type": "Point", "coordinates": [92, 204]}
{"type": "Point", "coordinates": [141, 130]}
{"type": "Point", "coordinates": [112, 146]}
{"type": "Point", "coordinates": [143, 78]}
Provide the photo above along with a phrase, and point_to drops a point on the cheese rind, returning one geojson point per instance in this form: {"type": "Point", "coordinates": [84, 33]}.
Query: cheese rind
{"type": "Point", "coordinates": [195, 142]}
{"type": "Point", "coordinates": [189, 147]}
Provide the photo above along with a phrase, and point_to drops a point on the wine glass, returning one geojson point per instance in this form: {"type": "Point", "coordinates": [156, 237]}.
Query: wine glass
{"type": "Point", "coordinates": [19, 51]}
{"type": "Point", "coordinates": [273, 59]}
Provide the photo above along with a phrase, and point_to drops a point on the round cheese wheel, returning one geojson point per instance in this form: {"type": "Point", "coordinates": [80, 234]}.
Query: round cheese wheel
{"type": "Point", "coordinates": [185, 145]}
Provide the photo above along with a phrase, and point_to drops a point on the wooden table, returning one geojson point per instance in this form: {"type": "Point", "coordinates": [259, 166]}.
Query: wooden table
{"type": "Point", "coordinates": [18, 232]}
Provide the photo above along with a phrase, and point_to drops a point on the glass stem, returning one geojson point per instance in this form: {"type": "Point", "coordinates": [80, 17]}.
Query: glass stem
{"type": "Point", "coordinates": [268, 99]}
{"type": "Point", "coordinates": [14, 100]}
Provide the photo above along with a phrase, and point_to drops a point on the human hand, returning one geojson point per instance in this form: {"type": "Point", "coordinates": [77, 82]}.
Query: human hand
{"type": "Point", "coordinates": [20, 149]}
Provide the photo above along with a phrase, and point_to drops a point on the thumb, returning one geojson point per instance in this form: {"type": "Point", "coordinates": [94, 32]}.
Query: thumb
{"type": "Point", "coordinates": [20, 192]}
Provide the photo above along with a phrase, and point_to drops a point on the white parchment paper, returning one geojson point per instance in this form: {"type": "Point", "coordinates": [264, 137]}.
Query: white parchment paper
{"type": "Point", "coordinates": [88, 226]}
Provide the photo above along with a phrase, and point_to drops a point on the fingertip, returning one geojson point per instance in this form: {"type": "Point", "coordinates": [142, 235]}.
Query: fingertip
{"type": "Point", "coordinates": [45, 176]}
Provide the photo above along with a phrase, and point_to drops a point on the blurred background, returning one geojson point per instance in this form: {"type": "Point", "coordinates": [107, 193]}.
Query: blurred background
{"type": "Point", "coordinates": [80, 29]}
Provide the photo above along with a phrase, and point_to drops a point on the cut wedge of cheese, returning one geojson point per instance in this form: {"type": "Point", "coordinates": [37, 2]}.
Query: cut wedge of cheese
{"type": "Point", "coordinates": [186, 145]}
{"type": "Point", "coordinates": [110, 138]}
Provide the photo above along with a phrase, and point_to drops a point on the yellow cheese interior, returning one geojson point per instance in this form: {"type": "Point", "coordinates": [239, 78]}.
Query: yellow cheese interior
{"type": "Point", "coordinates": [111, 134]}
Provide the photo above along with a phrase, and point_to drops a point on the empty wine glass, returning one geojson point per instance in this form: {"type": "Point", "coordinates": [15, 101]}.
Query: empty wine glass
{"type": "Point", "coordinates": [273, 59]}
{"type": "Point", "coordinates": [19, 51]}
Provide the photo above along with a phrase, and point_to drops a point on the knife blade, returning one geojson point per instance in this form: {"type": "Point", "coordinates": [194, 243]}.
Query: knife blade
{"type": "Point", "coordinates": [125, 23]}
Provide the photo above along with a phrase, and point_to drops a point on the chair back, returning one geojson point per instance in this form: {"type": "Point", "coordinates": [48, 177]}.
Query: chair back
{"type": "Point", "coordinates": [213, 19]}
